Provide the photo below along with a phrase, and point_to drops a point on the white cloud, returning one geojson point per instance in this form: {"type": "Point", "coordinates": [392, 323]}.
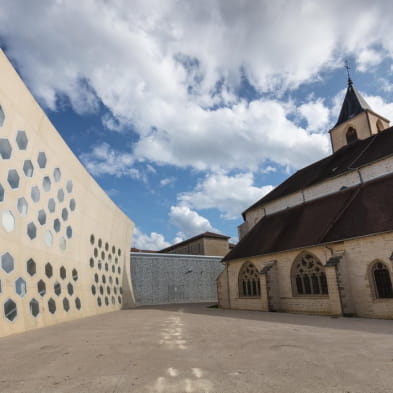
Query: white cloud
{"type": "Point", "coordinates": [162, 66]}
{"type": "Point", "coordinates": [153, 242]}
{"type": "Point", "coordinates": [380, 106]}
{"type": "Point", "coordinates": [229, 194]}
{"type": "Point", "coordinates": [167, 180]}
{"type": "Point", "coordinates": [103, 160]}
{"type": "Point", "coordinates": [189, 222]}
{"type": "Point", "coordinates": [316, 115]}
{"type": "Point", "coordinates": [268, 169]}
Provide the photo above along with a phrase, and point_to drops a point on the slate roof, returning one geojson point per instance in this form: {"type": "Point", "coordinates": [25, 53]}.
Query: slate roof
{"type": "Point", "coordinates": [353, 212]}
{"type": "Point", "coordinates": [348, 158]}
{"type": "Point", "coordinates": [353, 104]}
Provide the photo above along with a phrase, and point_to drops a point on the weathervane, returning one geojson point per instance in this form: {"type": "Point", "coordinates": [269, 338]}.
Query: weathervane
{"type": "Point", "coordinates": [349, 76]}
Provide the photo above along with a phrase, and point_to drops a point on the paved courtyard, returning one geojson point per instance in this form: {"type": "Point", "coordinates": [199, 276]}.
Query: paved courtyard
{"type": "Point", "coordinates": [193, 348]}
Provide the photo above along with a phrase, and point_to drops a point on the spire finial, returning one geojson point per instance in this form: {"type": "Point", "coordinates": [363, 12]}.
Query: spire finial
{"type": "Point", "coordinates": [349, 76]}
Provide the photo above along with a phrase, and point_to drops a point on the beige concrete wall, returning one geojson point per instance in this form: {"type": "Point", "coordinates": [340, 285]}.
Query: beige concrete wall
{"type": "Point", "coordinates": [74, 226]}
{"type": "Point", "coordinates": [351, 288]}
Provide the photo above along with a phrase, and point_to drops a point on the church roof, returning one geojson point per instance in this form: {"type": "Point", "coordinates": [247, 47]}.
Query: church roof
{"type": "Point", "coordinates": [353, 104]}
{"type": "Point", "coordinates": [353, 212]}
{"type": "Point", "coordinates": [348, 158]}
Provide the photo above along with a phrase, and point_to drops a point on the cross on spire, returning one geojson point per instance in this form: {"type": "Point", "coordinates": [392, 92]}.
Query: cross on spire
{"type": "Point", "coordinates": [349, 76]}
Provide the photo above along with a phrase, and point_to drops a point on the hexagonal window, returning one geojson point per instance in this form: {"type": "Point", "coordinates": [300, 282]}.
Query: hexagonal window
{"type": "Point", "coordinates": [106, 301]}
{"type": "Point", "coordinates": [108, 290]}
{"type": "Point", "coordinates": [99, 243]}
{"type": "Point", "coordinates": [99, 301]}
{"type": "Point", "coordinates": [69, 232]}
{"type": "Point", "coordinates": [117, 281]}
{"type": "Point", "coordinates": [64, 214]}
{"type": "Point", "coordinates": [34, 307]}
{"type": "Point", "coordinates": [7, 262]}
{"type": "Point", "coordinates": [93, 289]}
{"type": "Point", "coordinates": [115, 290]}
{"type": "Point", "coordinates": [110, 280]}
{"type": "Point", "coordinates": [57, 288]}
{"type": "Point", "coordinates": [106, 246]}
{"type": "Point", "coordinates": [60, 195]}
{"type": "Point", "coordinates": [13, 178]}
{"type": "Point", "coordinates": [8, 221]}
{"type": "Point", "coordinates": [48, 270]}
{"type": "Point", "coordinates": [72, 205]}
{"type": "Point", "coordinates": [10, 310]}
{"type": "Point", "coordinates": [102, 255]}
{"type": "Point", "coordinates": [31, 267]}
{"type": "Point", "coordinates": [48, 238]}
{"type": "Point", "coordinates": [51, 306]}
{"type": "Point", "coordinates": [110, 257]}
{"type": "Point", "coordinates": [41, 287]}
{"type": "Point", "coordinates": [22, 206]}
{"type": "Point", "coordinates": [66, 304]}
{"type": "Point", "coordinates": [74, 274]}
{"type": "Point", "coordinates": [113, 268]}
{"type": "Point", "coordinates": [57, 175]}
{"type": "Point", "coordinates": [92, 239]}
{"type": "Point", "coordinates": [113, 249]}
{"type": "Point", "coordinates": [113, 300]}
{"type": "Point", "coordinates": [69, 186]}
{"type": "Point", "coordinates": [1, 193]}
{"type": "Point", "coordinates": [95, 252]}
{"type": "Point", "coordinates": [70, 289]}
{"type": "Point", "coordinates": [91, 262]}
{"type": "Point", "coordinates": [101, 290]}
{"type": "Point", "coordinates": [62, 243]}
{"type": "Point", "coordinates": [20, 287]}
{"type": "Point", "coordinates": [99, 265]}
{"type": "Point", "coordinates": [106, 267]}
{"type": "Point", "coordinates": [63, 272]}
{"type": "Point", "coordinates": [51, 205]}
{"type": "Point", "coordinates": [35, 194]}
{"type": "Point", "coordinates": [46, 183]}
{"type": "Point", "coordinates": [119, 270]}
{"type": "Point", "coordinates": [116, 260]}
{"type": "Point", "coordinates": [96, 278]}
{"type": "Point", "coordinates": [5, 149]}
{"type": "Point", "coordinates": [2, 116]}
{"type": "Point", "coordinates": [21, 140]}
{"type": "Point", "coordinates": [31, 230]}
{"type": "Point", "coordinates": [103, 279]}
{"type": "Point", "coordinates": [28, 168]}
{"type": "Point", "coordinates": [41, 160]}
{"type": "Point", "coordinates": [56, 225]}
{"type": "Point", "coordinates": [119, 299]}
{"type": "Point", "coordinates": [42, 217]}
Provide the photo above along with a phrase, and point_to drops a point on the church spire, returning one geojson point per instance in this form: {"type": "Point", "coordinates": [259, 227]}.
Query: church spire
{"type": "Point", "coordinates": [353, 103]}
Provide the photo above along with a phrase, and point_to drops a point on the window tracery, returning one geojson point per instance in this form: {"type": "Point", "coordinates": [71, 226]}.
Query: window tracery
{"type": "Point", "coordinates": [249, 284]}
{"type": "Point", "coordinates": [351, 135]}
{"type": "Point", "coordinates": [308, 276]}
{"type": "Point", "coordinates": [382, 281]}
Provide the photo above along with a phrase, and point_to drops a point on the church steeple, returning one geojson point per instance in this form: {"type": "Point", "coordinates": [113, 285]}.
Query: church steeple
{"type": "Point", "coordinates": [356, 120]}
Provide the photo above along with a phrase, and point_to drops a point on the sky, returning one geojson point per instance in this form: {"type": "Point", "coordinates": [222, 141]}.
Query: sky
{"type": "Point", "coordinates": [188, 112]}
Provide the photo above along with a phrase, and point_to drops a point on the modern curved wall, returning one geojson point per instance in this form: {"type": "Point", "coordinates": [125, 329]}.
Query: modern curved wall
{"type": "Point", "coordinates": [64, 245]}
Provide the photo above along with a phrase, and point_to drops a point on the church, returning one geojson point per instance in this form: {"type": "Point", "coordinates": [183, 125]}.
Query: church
{"type": "Point", "coordinates": [322, 241]}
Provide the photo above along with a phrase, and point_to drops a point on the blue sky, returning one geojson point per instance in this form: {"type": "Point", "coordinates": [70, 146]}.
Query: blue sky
{"type": "Point", "coordinates": [188, 112]}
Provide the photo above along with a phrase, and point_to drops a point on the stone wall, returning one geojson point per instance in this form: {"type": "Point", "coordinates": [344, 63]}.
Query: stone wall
{"type": "Point", "coordinates": [63, 242]}
{"type": "Point", "coordinates": [172, 278]}
{"type": "Point", "coordinates": [350, 282]}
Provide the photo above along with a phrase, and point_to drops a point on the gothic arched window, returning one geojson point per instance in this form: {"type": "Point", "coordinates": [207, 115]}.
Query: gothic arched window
{"type": "Point", "coordinates": [351, 135]}
{"type": "Point", "coordinates": [249, 284]}
{"type": "Point", "coordinates": [382, 281]}
{"type": "Point", "coordinates": [308, 276]}
{"type": "Point", "coordinates": [379, 125]}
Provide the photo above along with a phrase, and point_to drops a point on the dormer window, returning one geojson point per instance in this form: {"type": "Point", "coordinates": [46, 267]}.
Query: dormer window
{"type": "Point", "coordinates": [351, 135]}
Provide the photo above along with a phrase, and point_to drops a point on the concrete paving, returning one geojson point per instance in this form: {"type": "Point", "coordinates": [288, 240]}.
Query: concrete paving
{"type": "Point", "coordinates": [193, 348]}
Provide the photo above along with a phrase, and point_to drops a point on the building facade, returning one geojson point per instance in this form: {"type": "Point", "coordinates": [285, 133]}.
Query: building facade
{"type": "Point", "coordinates": [64, 245]}
{"type": "Point", "coordinates": [207, 243]}
{"type": "Point", "coordinates": [322, 241]}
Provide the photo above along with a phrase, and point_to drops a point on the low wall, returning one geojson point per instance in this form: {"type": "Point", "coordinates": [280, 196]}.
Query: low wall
{"type": "Point", "coordinates": [173, 278]}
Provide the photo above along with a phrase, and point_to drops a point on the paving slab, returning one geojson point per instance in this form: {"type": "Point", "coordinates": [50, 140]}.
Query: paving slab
{"type": "Point", "coordinates": [194, 348]}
